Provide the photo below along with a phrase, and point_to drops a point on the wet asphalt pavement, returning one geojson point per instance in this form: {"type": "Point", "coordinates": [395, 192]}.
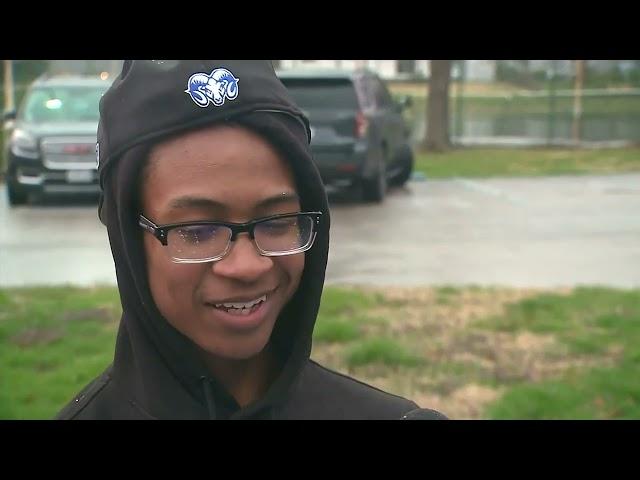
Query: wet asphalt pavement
{"type": "Point", "coordinates": [534, 232]}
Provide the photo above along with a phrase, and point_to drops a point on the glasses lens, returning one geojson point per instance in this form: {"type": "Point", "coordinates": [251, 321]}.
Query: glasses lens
{"type": "Point", "coordinates": [198, 242]}
{"type": "Point", "coordinates": [282, 235]}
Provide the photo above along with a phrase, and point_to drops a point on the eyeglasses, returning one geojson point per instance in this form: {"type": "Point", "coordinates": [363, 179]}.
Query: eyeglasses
{"type": "Point", "coordinates": [200, 242]}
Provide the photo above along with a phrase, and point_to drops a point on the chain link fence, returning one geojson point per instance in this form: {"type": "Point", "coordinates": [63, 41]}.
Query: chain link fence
{"type": "Point", "coordinates": [536, 103]}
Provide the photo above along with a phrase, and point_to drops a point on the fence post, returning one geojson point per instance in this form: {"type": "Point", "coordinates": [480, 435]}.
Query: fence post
{"type": "Point", "coordinates": [551, 126]}
{"type": "Point", "coordinates": [459, 100]}
{"type": "Point", "coordinates": [577, 101]}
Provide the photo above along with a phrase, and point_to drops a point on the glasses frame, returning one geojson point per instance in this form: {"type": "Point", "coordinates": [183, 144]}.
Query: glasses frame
{"type": "Point", "coordinates": [161, 232]}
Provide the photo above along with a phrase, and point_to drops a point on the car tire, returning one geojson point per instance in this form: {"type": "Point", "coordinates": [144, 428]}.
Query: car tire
{"type": "Point", "coordinates": [374, 189]}
{"type": "Point", "coordinates": [16, 195]}
{"type": "Point", "coordinates": [406, 163]}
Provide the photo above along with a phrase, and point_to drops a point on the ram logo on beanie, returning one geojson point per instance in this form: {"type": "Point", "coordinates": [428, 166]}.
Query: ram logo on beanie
{"type": "Point", "coordinates": [214, 88]}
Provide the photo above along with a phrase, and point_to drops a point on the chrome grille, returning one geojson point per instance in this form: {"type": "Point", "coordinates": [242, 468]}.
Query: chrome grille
{"type": "Point", "coordinates": [69, 153]}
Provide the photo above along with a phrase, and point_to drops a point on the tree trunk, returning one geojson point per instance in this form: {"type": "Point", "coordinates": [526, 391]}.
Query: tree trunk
{"type": "Point", "coordinates": [437, 138]}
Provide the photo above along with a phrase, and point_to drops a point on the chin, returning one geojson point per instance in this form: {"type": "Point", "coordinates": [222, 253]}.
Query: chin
{"type": "Point", "coordinates": [241, 349]}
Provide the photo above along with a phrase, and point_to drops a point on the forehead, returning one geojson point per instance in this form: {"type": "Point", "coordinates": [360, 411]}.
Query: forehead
{"type": "Point", "coordinates": [230, 165]}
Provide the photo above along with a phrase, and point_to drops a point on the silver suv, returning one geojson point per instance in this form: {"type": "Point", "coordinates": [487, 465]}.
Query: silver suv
{"type": "Point", "coordinates": [52, 141]}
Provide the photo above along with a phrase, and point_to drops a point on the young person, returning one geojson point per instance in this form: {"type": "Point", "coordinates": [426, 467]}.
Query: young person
{"type": "Point", "coordinates": [219, 227]}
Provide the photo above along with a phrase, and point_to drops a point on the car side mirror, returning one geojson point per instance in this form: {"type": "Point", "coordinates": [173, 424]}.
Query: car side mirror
{"type": "Point", "coordinates": [404, 102]}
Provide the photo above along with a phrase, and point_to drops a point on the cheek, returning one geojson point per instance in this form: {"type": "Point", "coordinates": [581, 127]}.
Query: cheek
{"type": "Point", "coordinates": [293, 267]}
{"type": "Point", "coordinates": [172, 285]}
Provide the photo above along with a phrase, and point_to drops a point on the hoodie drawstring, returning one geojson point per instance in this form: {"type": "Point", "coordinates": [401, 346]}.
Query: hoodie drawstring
{"type": "Point", "coordinates": [208, 395]}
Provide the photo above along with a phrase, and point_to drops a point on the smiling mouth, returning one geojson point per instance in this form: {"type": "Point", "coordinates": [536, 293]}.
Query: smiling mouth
{"type": "Point", "coordinates": [241, 308]}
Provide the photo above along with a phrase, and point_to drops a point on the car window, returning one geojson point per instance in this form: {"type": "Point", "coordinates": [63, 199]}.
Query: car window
{"type": "Point", "coordinates": [365, 92]}
{"type": "Point", "coordinates": [322, 93]}
{"type": "Point", "coordinates": [62, 104]}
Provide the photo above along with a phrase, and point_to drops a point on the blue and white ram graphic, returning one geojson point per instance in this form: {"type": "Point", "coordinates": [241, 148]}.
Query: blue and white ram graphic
{"type": "Point", "coordinates": [213, 88]}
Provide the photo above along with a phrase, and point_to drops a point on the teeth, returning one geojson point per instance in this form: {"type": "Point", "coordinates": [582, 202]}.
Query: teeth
{"type": "Point", "coordinates": [246, 305]}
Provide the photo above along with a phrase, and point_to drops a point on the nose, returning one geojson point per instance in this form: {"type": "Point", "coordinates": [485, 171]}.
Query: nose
{"type": "Point", "coordinates": [242, 262]}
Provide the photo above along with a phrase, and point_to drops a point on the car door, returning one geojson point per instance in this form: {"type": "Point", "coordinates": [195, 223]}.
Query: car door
{"type": "Point", "coordinates": [331, 106]}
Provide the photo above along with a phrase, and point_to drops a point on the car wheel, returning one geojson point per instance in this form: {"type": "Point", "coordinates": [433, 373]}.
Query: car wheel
{"type": "Point", "coordinates": [16, 195]}
{"type": "Point", "coordinates": [374, 189]}
{"type": "Point", "coordinates": [406, 163]}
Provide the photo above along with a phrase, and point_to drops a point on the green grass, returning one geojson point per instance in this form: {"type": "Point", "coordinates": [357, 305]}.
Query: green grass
{"type": "Point", "coordinates": [589, 321]}
{"type": "Point", "coordinates": [55, 340]}
{"type": "Point", "coordinates": [611, 393]}
{"type": "Point", "coordinates": [445, 295]}
{"type": "Point", "coordinates": [335, 330]}
{"type": "Point", "coordinates": [342, 312]}
{"type": "Point", "coordinates": [586, 309]}
{"type": "Point", "coordinates": [526, 162]}
{"type": "Point", "coordinates": [381, 351]}
{"type": "Point", "coordinates": [341, 301]}
{"type": "Point", "coordinates": [447, 290]}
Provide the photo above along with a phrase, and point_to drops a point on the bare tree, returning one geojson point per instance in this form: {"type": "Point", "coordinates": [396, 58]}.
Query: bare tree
{"type": "Point", "coordinates": [437, 138]}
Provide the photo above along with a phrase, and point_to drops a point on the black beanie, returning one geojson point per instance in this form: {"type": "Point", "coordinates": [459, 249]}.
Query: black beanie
{"type": "Point", "coordinates": [152, 99]}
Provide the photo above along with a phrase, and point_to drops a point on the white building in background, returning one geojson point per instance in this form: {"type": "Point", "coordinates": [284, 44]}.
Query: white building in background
{"type": "Point", "coordinates": [387, 69]}
{"type": "Point", "coordinates": [476, 70]}
{"type": "Point", "coordinates": [481, 70]}
{"type": "Point", "coordinates": [562, 67]}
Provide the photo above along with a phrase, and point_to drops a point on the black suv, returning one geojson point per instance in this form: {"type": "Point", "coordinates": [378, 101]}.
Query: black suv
{"type": "Point", "coordinates": [359, 136]}
{"type": "Point", "coordinates": [52, 144]}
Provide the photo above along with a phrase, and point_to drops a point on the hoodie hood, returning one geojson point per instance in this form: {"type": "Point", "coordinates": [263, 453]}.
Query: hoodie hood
{"type": "Point", "coordinates": [155, 366]}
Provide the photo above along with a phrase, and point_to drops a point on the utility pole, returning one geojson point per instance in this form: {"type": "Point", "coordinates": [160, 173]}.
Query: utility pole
{"type": "Point", "coordinates": [577, 101]}
{"type": "Point", "coordinates": [9, 105]}
{"type": "Point", "coordinates": [9, 100]}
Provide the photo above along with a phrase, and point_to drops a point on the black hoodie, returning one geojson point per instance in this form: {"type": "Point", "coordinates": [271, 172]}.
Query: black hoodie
{"type": "Point", "coordinates": [156, 372]}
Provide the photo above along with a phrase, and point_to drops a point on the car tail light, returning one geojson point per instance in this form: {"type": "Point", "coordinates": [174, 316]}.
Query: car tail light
{"type": "Point", "coordinates": [346, 168]}
{"type": "Point", "coordinates": [362, 124]}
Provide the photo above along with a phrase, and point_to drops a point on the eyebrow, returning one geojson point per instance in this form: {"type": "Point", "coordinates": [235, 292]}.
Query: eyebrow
{"type": "Point", "coordinates": [202, 202]}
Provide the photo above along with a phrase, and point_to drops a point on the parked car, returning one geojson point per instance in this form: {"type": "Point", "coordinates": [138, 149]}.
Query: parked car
{"type": "Point", "coordinates": [52, 138]}
{"type": "Point", "coordinates": [359, 136]}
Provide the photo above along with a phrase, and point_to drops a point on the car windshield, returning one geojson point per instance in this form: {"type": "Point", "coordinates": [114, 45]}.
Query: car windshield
{"type": "Point", "coordinates": [322, 93]}
{"type": "Point", "coordinates": [62, 104]}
